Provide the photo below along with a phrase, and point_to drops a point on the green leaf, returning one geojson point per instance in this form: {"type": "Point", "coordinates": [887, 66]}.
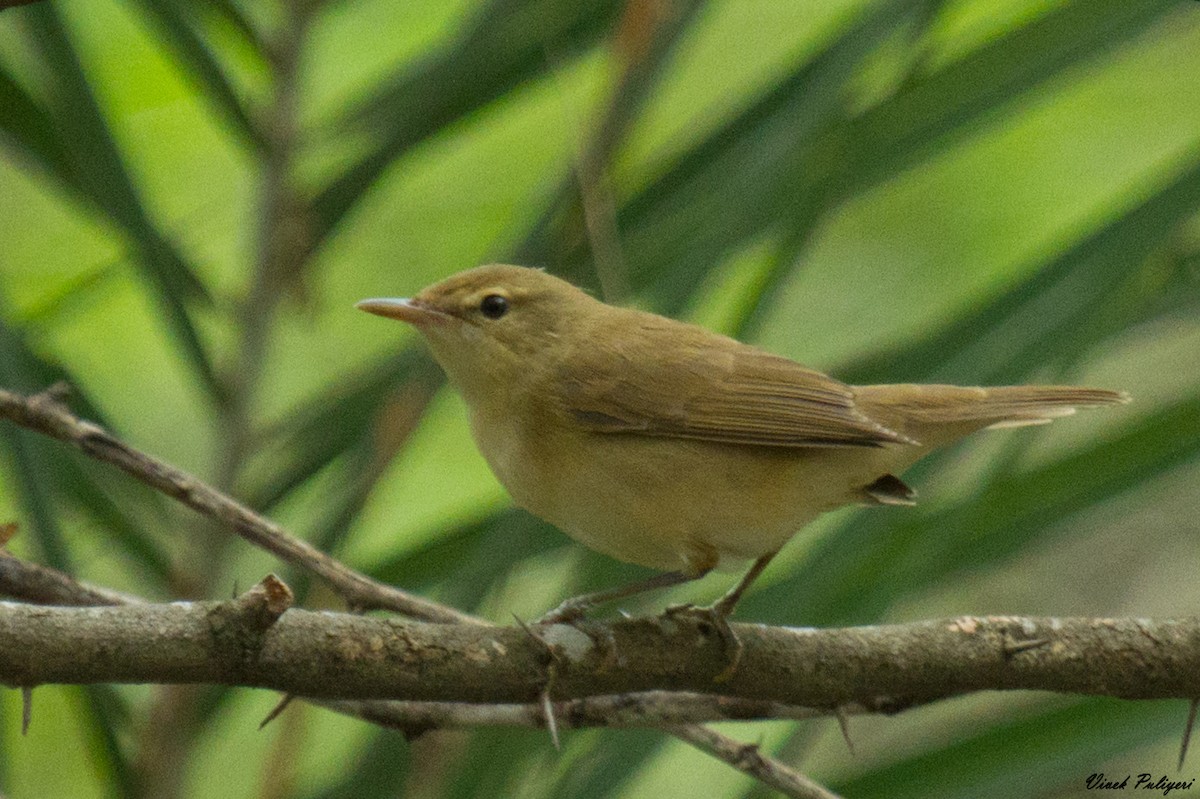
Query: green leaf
{"type": "Point", "coordinates": [602, 763]}
{"type": "Point", "coordinates": [1023, 325]}
{"type": "Point", "coordinates": [768, 165]}
{"type": "Point", "coordinates": [470, 561]}
{"type": "Point", "coordinates": [497, 761]}
{"type": "Point", "coordinates": [1043, 754]}
{"type": "Point", "coordinates": [103, 178]}
{"type": "Point", "coordinates": [793, 155]}
{"type": "Point", "coordinates": [49, 473]}
{"type": "Point", "coordinates": [91, 489]}
{"type": "Point", "coordinates": [228, 13]}
{"type": "Point", "coordinates": [563, 219]}
{"type": "Point", "coordinates": [930, 113]}
{"type": "Point", "coordinates": [379, 771]}
{"type": "Point", "coordinates": [106, 717]}
{"type": "Point", "coordinates": [202, 65]}
{"type": "Point", "coordinates": [29, 128]}
{"type": "Point", "coordinates": [892, 556]}
{"type": "Point", "coordinates": [28, 455]}
{"type": "Point", "coordinates": [36, 463]}
{"type": "Point", "coordinates": [343, 421]}
{"type": "Point", "coordinates": [508, 43]}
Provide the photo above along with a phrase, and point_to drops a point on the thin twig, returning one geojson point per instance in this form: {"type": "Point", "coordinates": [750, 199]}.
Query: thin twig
{"type": "Point", "coordinates": [42, 585]}
{"type": "Point", "coordinates": [45, 415]}
{"type": "Point", "coordinates": [747, 758]}
{"type": "Point", "coordinates": [632, 710]}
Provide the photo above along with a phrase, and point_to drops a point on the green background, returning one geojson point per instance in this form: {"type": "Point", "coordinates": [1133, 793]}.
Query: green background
{"type": "Point", "coordinates": [972, 192]}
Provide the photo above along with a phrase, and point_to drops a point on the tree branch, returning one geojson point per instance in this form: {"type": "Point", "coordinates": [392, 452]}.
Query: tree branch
{"type": "Point", "coordinates": [665, 709]}
{"type": "Point", "coordinates": [678, 714]}
{"type": "Point", "coordinates": [343, 656]}
{"type": "Point", "coordinates": [44, 414]}
{"type": "Point", "coordinates": [45, 586]}
{"type": "Point", "coordinates": [747, 758]}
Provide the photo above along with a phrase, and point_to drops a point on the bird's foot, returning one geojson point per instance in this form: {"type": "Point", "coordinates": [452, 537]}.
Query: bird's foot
{"type": "Point", "coordinates": [573, 612]}
{"type": "Point", "coordinates": [715, 616]}
{"type": "Point", "coordinates": [570, 612]}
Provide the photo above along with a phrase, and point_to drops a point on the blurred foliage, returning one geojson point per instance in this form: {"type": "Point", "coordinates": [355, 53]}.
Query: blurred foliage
{"type": "Point", "coordinates": [193, 195]}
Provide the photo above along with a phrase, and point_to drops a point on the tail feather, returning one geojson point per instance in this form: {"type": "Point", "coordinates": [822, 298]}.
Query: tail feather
{"type": "Point", "coordinates": [931, 412]}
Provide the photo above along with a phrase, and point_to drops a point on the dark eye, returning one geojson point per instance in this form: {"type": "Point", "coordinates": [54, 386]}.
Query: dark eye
{"type": "Point", "coordinates": [493, 306]}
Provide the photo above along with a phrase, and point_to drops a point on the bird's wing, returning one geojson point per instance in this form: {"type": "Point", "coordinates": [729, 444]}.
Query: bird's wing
{"type": "Point", "coordinates": [672, 380]}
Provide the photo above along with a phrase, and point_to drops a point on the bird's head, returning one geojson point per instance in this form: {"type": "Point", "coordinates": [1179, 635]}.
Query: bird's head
{"type": "Point", "coordinates": [488, 324]}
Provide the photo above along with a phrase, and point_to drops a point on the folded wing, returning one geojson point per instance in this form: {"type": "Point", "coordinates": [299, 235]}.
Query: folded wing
{"type": "Point", "coordinates": [687, 383]}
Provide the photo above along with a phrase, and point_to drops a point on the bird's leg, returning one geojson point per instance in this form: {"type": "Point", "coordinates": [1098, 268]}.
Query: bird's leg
{"type": "Point", "coordinates": [718, 613]}
{"type": "Point", "coordinates": [725, 605]}
{"type": "Point", "coordinates": [575, 607]}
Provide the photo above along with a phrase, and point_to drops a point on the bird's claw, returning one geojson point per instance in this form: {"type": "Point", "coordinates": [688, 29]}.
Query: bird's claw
{"type": "Point", "coordinates": [715, 615]}
{"type": "Point", "coordinates": [569, 612]}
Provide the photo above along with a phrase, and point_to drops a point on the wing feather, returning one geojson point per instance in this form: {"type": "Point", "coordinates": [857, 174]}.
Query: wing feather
{"type": "Point", "coordinates": [686, 382]}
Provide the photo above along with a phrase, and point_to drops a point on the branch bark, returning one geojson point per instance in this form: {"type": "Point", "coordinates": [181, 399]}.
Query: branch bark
{"type": "Point", "coordinates": [747, 758]}
{"type": "Point", "coordinates": [343, 656]}
{"type": "Point", "coordinates": [665, 709]}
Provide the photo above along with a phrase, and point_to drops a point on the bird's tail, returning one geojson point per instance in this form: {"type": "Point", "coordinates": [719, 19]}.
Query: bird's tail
{"type": "Point", "coordinates": [934, 414]}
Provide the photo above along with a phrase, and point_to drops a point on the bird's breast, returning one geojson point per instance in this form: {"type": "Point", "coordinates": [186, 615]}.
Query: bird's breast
{"type": "Point", "coordinates": [665, 503]}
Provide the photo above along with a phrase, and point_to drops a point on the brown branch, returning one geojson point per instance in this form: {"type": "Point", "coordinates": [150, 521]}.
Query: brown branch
{"type": "Point", "coordinates": [664, 709]}
{"type": "Point", "coordinates": [747, 758]}
{"type": "Point", "coordinates": [44, 414]}
{"type": "Point", "coordinates": [41, 585]}
{"type": "Point", "coordinates": [674, 713]}
{"type": "Point", "coordinates": [343, 656]}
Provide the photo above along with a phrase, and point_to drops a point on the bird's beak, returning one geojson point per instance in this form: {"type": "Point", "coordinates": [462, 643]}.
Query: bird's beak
{"type": "Point", "coordinates": [405, 309]}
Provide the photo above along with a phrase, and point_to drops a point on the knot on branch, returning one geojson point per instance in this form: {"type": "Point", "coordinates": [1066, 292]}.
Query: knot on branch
{"type": "Point", "coordinates": [242, 622]}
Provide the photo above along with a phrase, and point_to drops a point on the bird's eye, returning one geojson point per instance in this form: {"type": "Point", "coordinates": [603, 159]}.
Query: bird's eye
{"type": "Point", "coordinates": [493, 306]}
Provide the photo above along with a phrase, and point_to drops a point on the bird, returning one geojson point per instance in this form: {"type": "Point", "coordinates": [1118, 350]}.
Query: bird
{"type": "Point", "coordinates": [664, 444]}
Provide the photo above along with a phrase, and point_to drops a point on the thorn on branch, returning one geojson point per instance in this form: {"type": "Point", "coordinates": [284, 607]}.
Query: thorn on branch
{"type": "Point", "coordinates": [1187, 732]}
{"type": "Point", "coordinates": [8, 531]}
{"type": "Point", "coordinates": [247, 618]}
{"type": "Point", "coordinates": [262, 605]}
{"type": "Point", "coordinates": [548, 708]}
{"type": "Point", "coordinates": [843, 719]}
{"type": "Point", "coordinates": [26, 708]}
{"type": "Point", "coordinates": [749, 757]}
{"type": "Point", "coordinates": [544, 703]}
{"type": "Point", "coordinates": [53, 396]}
{"type": "Point", "coordinates": [277, 710]}
{"type": "Point", "coordinates": [1013, 648]}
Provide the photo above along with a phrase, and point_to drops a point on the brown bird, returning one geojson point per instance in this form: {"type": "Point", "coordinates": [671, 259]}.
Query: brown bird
{"type": "Point", "coordinates": [664, 444]}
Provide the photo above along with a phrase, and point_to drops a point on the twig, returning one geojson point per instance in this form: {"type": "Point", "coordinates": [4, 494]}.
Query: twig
{"type": "Point", "coordinates": [44, 414]}
{"type": "Point", "coordinates": [45, 586]}
{"type": "Point", "coordinates": [747, 758]}
{"type": "Point", "coordinates": [645, 38]}
{"type": "Point", "coordinates": [639, 709]}
{"type": "Point", "coordinates": [281, 249]}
